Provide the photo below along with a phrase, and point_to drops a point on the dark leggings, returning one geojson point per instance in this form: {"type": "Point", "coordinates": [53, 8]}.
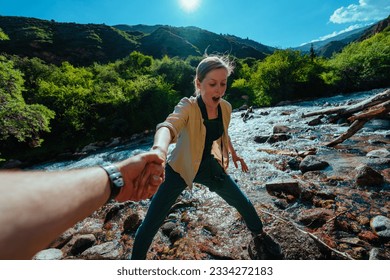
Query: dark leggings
{"type": "Point", "coordinates": [211, 175]}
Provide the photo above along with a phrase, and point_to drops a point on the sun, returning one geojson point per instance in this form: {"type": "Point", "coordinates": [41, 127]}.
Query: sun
{"type": "Point", "coordinates": [189, 5]}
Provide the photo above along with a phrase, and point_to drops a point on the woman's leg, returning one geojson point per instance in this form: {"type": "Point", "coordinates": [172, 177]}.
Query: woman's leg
{"type": "Point", "coordinates": [233, 195]}
{"type": "Point", "coordinates": [221, 183]}
{"type": "Point", "coordinates": [161, 203]}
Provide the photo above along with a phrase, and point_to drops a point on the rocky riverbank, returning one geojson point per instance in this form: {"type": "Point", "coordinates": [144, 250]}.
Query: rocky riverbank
{"type": "Point", "coordinates": [318, 202]}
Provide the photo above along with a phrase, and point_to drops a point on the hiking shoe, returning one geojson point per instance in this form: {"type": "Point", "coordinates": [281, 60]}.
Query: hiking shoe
{"type": "Point", "coordinates": [264, 247]}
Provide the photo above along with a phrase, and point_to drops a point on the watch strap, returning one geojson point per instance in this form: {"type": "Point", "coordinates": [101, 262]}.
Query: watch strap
{"type": "Point", "coordinates": [116, 179]}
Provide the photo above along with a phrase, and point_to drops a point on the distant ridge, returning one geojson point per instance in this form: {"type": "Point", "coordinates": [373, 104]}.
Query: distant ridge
{"type": "Point", "coordinates": [84, 44]}
{"type": "Point", "coordinates": [335, 44]}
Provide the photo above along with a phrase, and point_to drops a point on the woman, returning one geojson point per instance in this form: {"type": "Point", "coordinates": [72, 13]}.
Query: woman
{"type": "Point", "coordinates": [199, 127]}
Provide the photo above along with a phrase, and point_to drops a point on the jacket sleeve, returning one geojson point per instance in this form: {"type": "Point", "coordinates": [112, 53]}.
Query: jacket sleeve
{"type": "Point", "coordinates": [178, 118]}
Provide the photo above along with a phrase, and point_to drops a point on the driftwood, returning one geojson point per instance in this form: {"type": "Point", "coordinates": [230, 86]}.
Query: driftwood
{"type": "Point", "coordinates": [311, 235]}
{"type": "Point", "coordinates": [377, 106]}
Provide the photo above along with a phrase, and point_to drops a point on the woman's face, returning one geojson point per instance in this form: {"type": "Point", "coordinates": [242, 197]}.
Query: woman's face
{"type": "Point", "coordinates": [213, 87]}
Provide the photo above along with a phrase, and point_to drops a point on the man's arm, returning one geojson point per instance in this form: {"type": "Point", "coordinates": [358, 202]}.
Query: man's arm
{"type": "Point", "coordinates": [37, 206]}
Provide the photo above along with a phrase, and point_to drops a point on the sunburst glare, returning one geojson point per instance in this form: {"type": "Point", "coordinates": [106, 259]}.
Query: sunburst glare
{"type": "Point", "coordinates": [189, 5]}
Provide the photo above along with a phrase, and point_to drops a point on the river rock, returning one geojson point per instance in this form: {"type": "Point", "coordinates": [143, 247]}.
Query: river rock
{"type": "Point", "coordinates": [368, 177]}
{"type": "Point", "coordinates": [280, 129]}
{"type": "Point", "coordinates": [278, 138]}
{"type": "Point", "coordinates": [81, 243]}
{"type": "Point", "coordinates": [295, 244]}
{"type": "Point", "coordinates": [131, 223]}
{"type": "Point", "coordinates": [175, 235]}
{"type": "Point", "coordinates": [284, 186]}
{"type": "Point", "coordinates": [379, 254]}
{"type": "Point", "coordinates": [312, 163]}
{"type": "Point", "coordinates": [315, 217]}
{"type": "Point", "coordinates": [106, 251]}
{"type": "Point", "coordinates": [112, 212]}
{"type": "Point", "coordinates": [381, 226]}
{"type": "Point", "coordinates": [49, 254]}
{"type": "Point", "coordinates": [168, 227]}
{"type": "Point", "coordinates": [64, 238]}
{"type": "Point", "coordinates": [261, 139]}
{"type": "Point", "coordinates": [381, 153]}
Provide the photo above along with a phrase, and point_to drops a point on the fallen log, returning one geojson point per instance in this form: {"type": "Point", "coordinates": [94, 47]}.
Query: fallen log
{"type": "Point", "coordinates": [376, 106]}
{"type": "Point", "coordinates": [373, 112]}
{"type": "Point", "coordinates": [342, 111]}
{"type": "Point", "coordinates": [355, 127]}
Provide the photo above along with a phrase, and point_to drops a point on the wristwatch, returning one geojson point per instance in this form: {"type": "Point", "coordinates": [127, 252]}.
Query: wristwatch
{"type": "Point", "coordinates": [116, 180]}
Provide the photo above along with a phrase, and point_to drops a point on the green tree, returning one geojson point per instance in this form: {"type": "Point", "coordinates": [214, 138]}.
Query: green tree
{"type": "Point", "coordinates": [287, 75]}
{"type": "Point", "coordinates": [177, 72]}
{"type": "Point", "coordinates": [363, 65]}
{"type": "Point", "coordinates": [3, 36]}
{"type": "Point", "coordinates": [18, 120]}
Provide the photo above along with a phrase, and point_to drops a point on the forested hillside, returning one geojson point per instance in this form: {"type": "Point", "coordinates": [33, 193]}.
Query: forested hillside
{"type": "Point", "coordinates": [84, 44]}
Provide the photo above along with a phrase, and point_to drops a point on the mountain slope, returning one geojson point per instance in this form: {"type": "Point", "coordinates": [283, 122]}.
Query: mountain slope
{"type": "Point", "coordinates": [80, 44]}
{"type": "Point", "coordinates": [194, 41]}
{"type": "Point", "coordinates": [84, 44]}
{"type": "Point", "coordinates": [328, 47]}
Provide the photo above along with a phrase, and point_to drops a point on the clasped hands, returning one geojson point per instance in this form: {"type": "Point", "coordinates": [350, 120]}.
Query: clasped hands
{"type": "Point", "coordinates": [142, 174]}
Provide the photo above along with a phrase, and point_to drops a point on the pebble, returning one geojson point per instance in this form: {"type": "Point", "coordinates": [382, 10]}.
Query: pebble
{"type": "Point", "coordinates": [381, 226]}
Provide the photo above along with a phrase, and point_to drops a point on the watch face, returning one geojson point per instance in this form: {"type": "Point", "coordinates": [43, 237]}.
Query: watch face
{"type": "Point", "coordinates": [118, 182]}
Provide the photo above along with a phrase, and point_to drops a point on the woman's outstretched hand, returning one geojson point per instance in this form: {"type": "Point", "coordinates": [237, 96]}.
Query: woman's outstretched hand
{"type": "Point", "coordinates": [236, 159]}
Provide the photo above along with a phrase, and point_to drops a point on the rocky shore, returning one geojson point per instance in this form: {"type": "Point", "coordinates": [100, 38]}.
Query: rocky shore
{"type": "Point", "coordinates": [318, 202]}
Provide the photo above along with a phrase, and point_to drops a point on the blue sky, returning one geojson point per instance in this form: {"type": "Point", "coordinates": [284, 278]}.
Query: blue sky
{"type": "Point", "coordinates": [276, 23]}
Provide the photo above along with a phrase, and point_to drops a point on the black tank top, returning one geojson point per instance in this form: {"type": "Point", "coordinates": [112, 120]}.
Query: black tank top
{"type": "Point", "coordinates": [214, 127]}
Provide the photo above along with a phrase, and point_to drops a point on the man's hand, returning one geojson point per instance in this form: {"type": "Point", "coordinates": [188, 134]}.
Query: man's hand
{"type": "Point", "coordinates": [142, 175]}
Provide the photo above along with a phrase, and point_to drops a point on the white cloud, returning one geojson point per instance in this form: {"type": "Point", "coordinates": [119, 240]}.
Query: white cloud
{"type": "Point", "coordinates": [365, 10]}
{"type": "Point", "coordinates": [335, 33]}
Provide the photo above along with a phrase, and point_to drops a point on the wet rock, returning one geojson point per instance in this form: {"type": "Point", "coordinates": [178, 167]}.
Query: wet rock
{"type": "Point", "coordinates": [283, 188]}
{"type": "Point", "coordinates": [294, 163]}
{"type": "Point", "coordinates": [167, 228]}
{"type": "Point", "coordinates": [281, 203]}
{"type": "Point", "coordinates": [315, 217]}
{"type": "Point", "coordinates": [90, 226]}
{"type": "Point", "coordinates": [278, 138]}
{"type": "Point", "coordinates": [106, 251]}
{"type": "Point", "coordinates": [368, 177]}
{"type": "Point", "coordinates": [112, 212]}
{"type": "Point", "coordinates": [381, 226]}
{"type": "Point", "coordinates": [312, 163]}
{"type": "Point", "coordinates": [381, 153]}
{"type": "Point", "coordinates": [90, 148]}
{"type": "Point", "coordinates": [261, 139]}
{"type": "Point", "coordinates": [379, 254]}
{"type": "Point", "coordinates": [115, 142]}
{"type": "Point", "coordinates": [295, 244]}
{"type": "Point", "coordinates": [368, 236]}
{"type": "Point", "coordinates": [315, 121]}
{"type": "Point", "coordinates": [131, 223]}
{"type": "Point", "coordinates": [64, 238]}
{"type": "Point", "coordinates": [81, 243]}
{"type": "Point", "coordinates": [308, 193]}
{"type": "Point", "coordinates": [280, 129]}
{"type": "Point", "coordinates": [175, 235]}
{"type": "Point", "coordinates": [49, 254]}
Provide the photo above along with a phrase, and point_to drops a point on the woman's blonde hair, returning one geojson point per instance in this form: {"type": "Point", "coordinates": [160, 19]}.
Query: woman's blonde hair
{"type": "Point", "coordinates": [211, 63]}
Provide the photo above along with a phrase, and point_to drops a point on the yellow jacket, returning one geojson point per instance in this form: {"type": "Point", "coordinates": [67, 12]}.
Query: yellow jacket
{"type": "Point", "coordinates": [189, 134]}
